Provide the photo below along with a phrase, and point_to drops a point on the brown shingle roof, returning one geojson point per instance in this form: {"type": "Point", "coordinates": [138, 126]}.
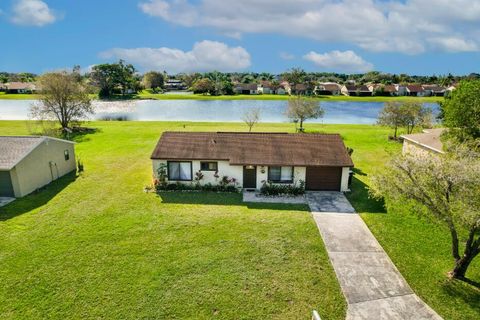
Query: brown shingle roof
{"type": "Point", "coordinates": [254, 148]}
{"type": "Point", "coordinates": [21, 86]}
{"type": "Point", "coordinates": [414, 88]}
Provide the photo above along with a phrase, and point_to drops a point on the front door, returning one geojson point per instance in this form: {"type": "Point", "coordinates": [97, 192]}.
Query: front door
{"type": "Point", "coordinates": [249, 177]}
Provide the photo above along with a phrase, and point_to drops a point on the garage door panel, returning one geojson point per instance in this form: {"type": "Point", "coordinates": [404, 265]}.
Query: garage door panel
{"type": "Point", "coordinates": [323, 178]}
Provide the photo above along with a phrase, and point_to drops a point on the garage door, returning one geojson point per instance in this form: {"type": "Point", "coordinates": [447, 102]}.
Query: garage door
{"type": "Point", "coordinates": [323, 178]}
{"type": "Point", "coordinates": [6, 188]}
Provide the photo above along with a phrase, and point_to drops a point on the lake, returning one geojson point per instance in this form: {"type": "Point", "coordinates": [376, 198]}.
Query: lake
{"type": "Point", "coordinates": [336, 112]}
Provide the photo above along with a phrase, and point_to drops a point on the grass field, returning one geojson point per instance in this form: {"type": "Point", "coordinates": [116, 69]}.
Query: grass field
{"type": "Point", "coordinates": [147, 95]}
{"type": "Point", "coordinates": [98, 247]}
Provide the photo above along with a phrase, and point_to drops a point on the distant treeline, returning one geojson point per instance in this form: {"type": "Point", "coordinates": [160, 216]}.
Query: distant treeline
{"type": "Point", "coordinates": [123, 78]}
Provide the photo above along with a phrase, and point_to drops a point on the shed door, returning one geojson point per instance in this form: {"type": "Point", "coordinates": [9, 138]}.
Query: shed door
{"type": "Point", "coordinates": [323, 178]}
{"type": "Point", "coordinates": [6, 188]}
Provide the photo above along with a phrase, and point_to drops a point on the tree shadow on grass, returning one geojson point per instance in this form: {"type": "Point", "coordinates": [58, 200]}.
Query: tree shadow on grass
{"type": "Point", "coordinates": [81, 134]}
{"type": "Point", "coordinates": [468, 291]}
{"type": "Point", "coordinates": [361, 200]}
{"type": "Point", "coordinates": [36, 199]}
{"type": "Point", "coordinates": [223, 199]}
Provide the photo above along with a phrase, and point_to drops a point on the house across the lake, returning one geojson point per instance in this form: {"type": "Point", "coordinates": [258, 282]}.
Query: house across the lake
{"type": "Point", "coordinates": [426, 143]}
{"type": "Point", "coordinates": [320, 160]}
{"type": "Point", "coordinates": [28, 163]}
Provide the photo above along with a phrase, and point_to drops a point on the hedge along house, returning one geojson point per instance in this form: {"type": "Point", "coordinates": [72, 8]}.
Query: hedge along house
{"type": "Point", "coordinates": [320, 160]}
{"type": "Point", "coordinates": [28, 163]}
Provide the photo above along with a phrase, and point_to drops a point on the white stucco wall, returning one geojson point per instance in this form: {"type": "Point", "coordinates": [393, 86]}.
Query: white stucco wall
{"type": "Point", "coordinates": [43, 165]}
{"type": "Point", "coordinates": [413, 148]}
{"type": "Point", "coordinates": [298, 174]}
{"type": "Point", "coordinates": [344, 183]}
{"type": "Point", "coordinates": [225, 169]}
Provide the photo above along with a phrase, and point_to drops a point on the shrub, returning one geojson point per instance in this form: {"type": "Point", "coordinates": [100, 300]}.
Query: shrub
{"type": "Point", "coordinates": [270, 189]}
{"type": "Point", "coordinates": [195, 187]}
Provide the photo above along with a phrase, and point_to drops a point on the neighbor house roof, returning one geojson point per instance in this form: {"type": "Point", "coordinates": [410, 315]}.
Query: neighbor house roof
{"type": "Point", "coordinates": [246, 86]}
{"type": "Point", "coordinates": [279, 149]}
{"type": "Point", "coordinates": [433, 87]}
{"type": "Point", "coordinates": [329, 87]}
{"type": "Point", "coordinates": [355, 88]}
{"type": "Point", "coordinates": [430, 138]}
{"type": "Point", "coordinates": [414, 88]}
{"type": "Point", "coordinates": [20, 86]}
{"type": "Point", "coordinates": [14, 148]}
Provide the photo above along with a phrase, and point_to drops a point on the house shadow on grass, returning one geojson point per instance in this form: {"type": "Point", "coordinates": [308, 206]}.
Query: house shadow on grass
{"type": "Point", "coordinates": [36, 199]}
{"type": "Point", "coordinates": [361, 200]}
{"type": "Point", "coordinates": [223, 199]}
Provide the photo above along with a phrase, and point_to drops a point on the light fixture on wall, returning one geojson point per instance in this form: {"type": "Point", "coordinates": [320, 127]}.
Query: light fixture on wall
{"type": "Point", "coordinates": [262, 169]}
{"type": "Point", "coordinates": [250, 167]}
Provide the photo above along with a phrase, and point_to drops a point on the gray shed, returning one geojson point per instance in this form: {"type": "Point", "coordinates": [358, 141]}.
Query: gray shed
{"type": "Point", "coordinates": [28, 163]}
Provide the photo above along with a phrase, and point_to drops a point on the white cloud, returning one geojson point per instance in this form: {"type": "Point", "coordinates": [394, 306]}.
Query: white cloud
{"type": "Point", "coordinates": [396, 25]}
{"type": "Point", "coordinates": [33, 13]}
{"type": "Point", "coordinates": [454, 44]}
{"type": "Point", "coordinates": [341, 61]}
{"type": "Point", "coordinates": [204, 56]}
{"type": "Point", "coordinates": [286, 56]}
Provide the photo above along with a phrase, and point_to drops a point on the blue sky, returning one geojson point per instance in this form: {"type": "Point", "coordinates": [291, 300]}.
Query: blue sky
{"type": "Point", "coordinates": [413, 36]}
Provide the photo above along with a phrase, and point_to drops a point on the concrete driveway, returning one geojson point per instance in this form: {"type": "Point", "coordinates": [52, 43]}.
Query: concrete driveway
{"type": "Point", "coordinates": [329, 201]}
{"type": "Point", "coordinates": [372, 285]}
{"type": "Point", "coordinates": [5, 200]}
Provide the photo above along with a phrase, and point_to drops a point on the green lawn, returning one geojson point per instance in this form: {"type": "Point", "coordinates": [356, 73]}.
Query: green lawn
{"type": "Point", "coordinates": [98, 247]}
{"type": "Point", "coordinates": [17, 96]}
{"type": "Point", "coordinates": [147, 95]}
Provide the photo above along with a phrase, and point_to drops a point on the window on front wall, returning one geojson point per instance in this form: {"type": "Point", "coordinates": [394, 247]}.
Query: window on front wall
{"type": "Point", "coordinates": [208, 166]}
{"type": "Point", "coordinates": [179, 171]}
{"type": "Point", "coordinates": [67, 155]}
{"type": "Point", "coordinates": [280, 174]}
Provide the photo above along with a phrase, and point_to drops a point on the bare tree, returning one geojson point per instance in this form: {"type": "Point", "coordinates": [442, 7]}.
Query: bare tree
{"type": "Point", "coordinates": [301, 109]}
{"type": "Point", "coordinates": [251, 117]}
{"type": "Point", "coordinates": [405, 114]}
{"type": "Point", "coordinates": [393, 116]}
{"type": "Point", "coordinates": [445, 187]}
{"type": "Point", "coordinates": [63, 97]}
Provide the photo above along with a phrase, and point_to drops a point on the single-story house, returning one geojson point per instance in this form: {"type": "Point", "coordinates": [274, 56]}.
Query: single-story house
{"type": "Point", "coordinates": [246, 88]}
{"type": "Point", "coordinates": [28, 163]}
{"type": "Point", "coordinates": [433, 90]}
{"type": "Point", "coordinates": [428, 142]}
{"type": "Point", "coordinates": [266, 87]}
{"type": "Point", "coordinates": [302, 89]}
{"type": "Point", "coordinates": [327, 89]}
{"type": "Point", "coordinates": [355, 90]}
{"type": "Point", "coordinates": [20, 87]}
{"type": "Point", "coordinates": [175, 84]}
{"type": "Point", "coordinates": [283, 88]}
{"type": "Point", "coordinates": [319, 160]}
{"type": "Point", "coordinates": [382, 90]}
{"type": "Point", "coordinates": [415, 90]}
{"type": "Point", "coordinates": [401, 90]}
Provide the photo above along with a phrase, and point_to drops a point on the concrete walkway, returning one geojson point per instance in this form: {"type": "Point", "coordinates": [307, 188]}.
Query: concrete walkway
{"type": "Point", "coordinates": [372, 285]}
{"type": "Point", "coordinates": [5, 200]}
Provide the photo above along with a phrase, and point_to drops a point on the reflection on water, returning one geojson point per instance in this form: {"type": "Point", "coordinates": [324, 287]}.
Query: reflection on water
{"type": "Point", "coordinates": [347, 112]}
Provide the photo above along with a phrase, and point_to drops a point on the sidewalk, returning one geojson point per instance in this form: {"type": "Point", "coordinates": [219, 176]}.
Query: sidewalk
{"type": "Point", "coordinates": [372, 285]}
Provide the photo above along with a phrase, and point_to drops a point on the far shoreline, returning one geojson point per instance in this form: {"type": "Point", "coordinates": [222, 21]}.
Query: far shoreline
{"type": "Point", "coordinates": [150, 96]}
